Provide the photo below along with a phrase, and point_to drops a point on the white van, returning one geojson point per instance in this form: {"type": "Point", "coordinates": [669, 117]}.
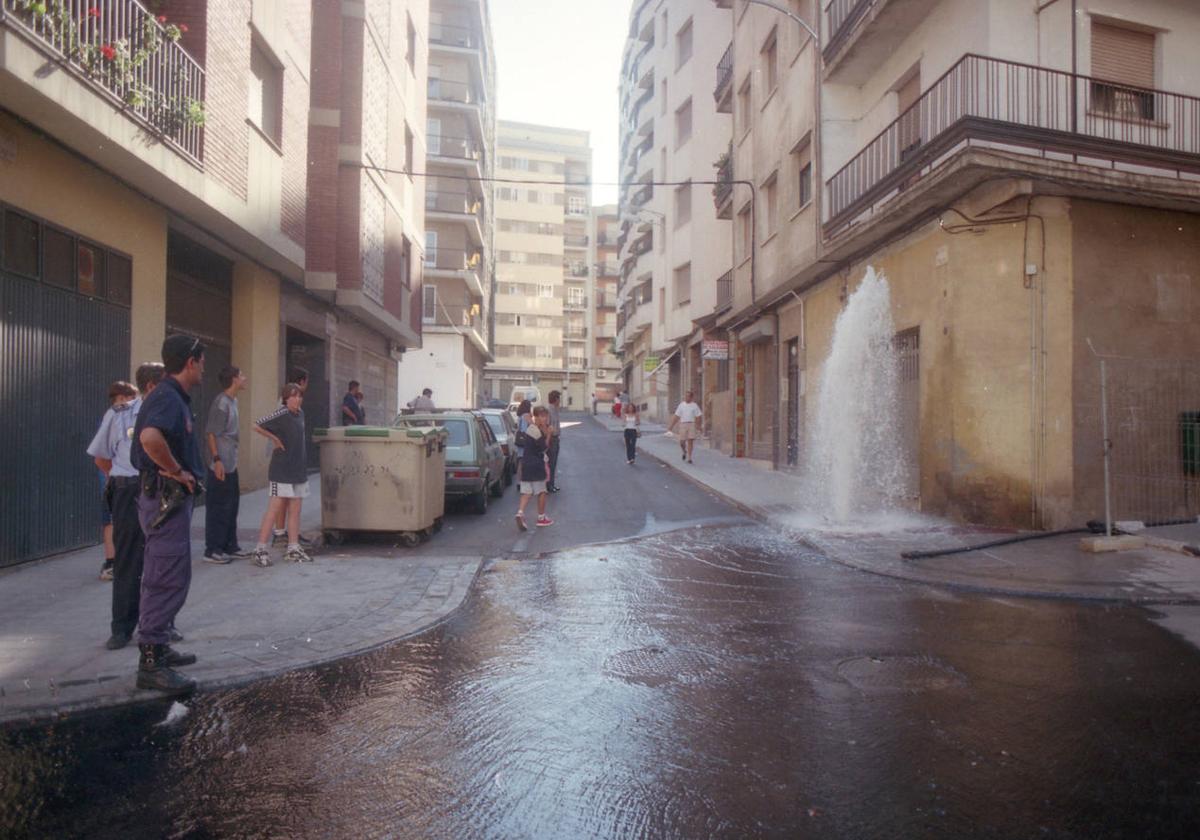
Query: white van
{"type": "Point", "coordinates": [525, 392]}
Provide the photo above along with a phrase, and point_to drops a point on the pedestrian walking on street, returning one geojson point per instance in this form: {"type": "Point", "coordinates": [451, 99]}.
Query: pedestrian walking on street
{"type": "Point", "coordinates": [298, 376]}
{"type": "Point", "coordinates": [533, 467]}
{"type": "Point", "coordinates": [111, 449]}
{"type": "Point", "coordinates": [524, 420]}
{"type": "Point", "coordinates": [552, 446]}
{"type": "Point", "coordinates": [633, 429]}
{"type": "Point", "coordinates": [688, 417]}
{"type": "Point", "coordinates": [120, 395]}
{"type": "Point", "coordinates": [352, 410]}
{"type": "Point", "coordinates": [287, 474]}
{"type": "Point", "coordinates": [221, 480]}
{"type": "Point", "coordinates": [165, 454]}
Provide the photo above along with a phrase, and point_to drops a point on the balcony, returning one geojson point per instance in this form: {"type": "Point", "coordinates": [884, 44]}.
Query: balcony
{"type": "Point", "coordinates": [575, 269]}
{"type": "Point", "coordinates": [463, 265]}
{"type": "Point", "coordinates": [724, 291]}
{"type": "Point", "coordinates": [456, 207]}
{"type": "Point", "coordinates": [447, 35]}
{"type": "Point", "coordinates": [575, 303]}
{"type": "Point", "coordinates": [465, 320]}
{"type": "Point", "coordinates": [119, 50]}
{"type": "Point", "coordinates": [862, 34]}
{"type": "Point", "coordinates": [1030, 110]}
{"type": "Point", "coordinates": [723, 93]}
{"type": "Point", "coordinates": [723, 191]}
{"type": "Point", "coordinates": [450, 146]}
{"type": "Point", "coordinates": [574, 240]}
{"type": "Point", "coordinates": [575, 333]}
{"type": "Point", "coordinates": [457, 93]}
{"type": "Point", "coordinates": [642, 245]}
{"type": "Point", "coordinates": [641, 195]}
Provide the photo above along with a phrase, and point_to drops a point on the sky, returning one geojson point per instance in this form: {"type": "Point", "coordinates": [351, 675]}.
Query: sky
{"type": "Point", "coordinates": [558, 62]}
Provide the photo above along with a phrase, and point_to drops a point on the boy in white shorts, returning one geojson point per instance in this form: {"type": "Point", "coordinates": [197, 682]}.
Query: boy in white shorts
{"type": "Point", "coordinates": [287, 473]}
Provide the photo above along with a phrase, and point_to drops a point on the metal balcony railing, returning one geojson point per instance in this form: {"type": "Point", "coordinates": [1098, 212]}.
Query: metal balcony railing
{"type": "Point", "coordinates": [120, 49]}
{"type": "Point", "coordinates": [573, 240]}
{"type": "Point", "coordinates": [840, 17]}
{"type": "Point", "coordinates": [444, 90]}
{"type": "Point", "coordinates": [447, 145]}
{"type": "Point", "coordinates": [576, 303]}
{"type": "Point", "coordinates": [451, 259]}
{"type": "Point", "coordinates": [450, 35]}
{"type": "Point", "coordinates": [575, 332]}
{"type": "Point", "coordinates": [725, 290]}
{"type": "Point", "coordinates": [724, 74]}
{"type": "Point", "coordinates": [575, 269]}
{"type": "Point", "coordinates": [643, 245]}
{"type": "Point", "coordinates": [642, 195]}
{"type": "Point", "coordinates": [439, 314]}
{"type": "Point", "coordinates": [1020, 105]}
{"type": "Point", "coordinates": [723, 190]}
{"type": "Point", "coordinates": [449, 201]}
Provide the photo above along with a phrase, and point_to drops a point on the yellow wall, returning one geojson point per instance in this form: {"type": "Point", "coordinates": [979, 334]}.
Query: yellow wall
{"type": "Point", "coordinates": [41, 178]}
{"type": "Point", "coordinates": [256, 350]}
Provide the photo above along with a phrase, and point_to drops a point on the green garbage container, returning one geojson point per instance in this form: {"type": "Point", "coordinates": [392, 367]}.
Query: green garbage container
{"type": "Point", "coordinates": [375, 478]}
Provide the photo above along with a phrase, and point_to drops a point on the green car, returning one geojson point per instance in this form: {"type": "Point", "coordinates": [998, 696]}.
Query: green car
{"type": "Point", "coordinates": [475, 462]}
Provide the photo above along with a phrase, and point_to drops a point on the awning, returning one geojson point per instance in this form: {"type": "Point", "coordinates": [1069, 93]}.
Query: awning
{"type": "Point", "coordinates": [668, 358]}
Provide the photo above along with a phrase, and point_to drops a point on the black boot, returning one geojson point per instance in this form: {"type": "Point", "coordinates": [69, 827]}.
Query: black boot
{"type": "Point", "coordinates": [153, 672]}
{"type": "Point", "coordinates": [176, 658]}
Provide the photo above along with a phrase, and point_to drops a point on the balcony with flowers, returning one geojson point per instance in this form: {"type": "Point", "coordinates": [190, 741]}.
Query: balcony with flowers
{"type": "Point", "coordinates": [125, 53]}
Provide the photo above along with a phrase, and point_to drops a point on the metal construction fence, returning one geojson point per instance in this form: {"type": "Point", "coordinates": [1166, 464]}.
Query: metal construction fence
{"type": "Point", "coordinates": [1147, 420]}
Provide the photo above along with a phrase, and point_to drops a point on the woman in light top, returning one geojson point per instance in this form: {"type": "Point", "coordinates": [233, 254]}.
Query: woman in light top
{"type": "Point", "coordinates": [633, 425]}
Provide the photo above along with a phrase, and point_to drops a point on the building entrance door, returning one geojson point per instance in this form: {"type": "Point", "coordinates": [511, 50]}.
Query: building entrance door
{"type": "Point", "coordinates": [793, 402]}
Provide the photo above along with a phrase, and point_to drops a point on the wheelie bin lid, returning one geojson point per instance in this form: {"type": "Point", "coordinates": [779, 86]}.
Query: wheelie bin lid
{"type": "Point", "coordinates": [418, 433]}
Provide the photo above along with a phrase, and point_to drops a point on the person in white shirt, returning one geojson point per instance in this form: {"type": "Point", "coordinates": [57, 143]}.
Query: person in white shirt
{"type": "Point", "coordinates": [633, 425]}
{"type": "Point", "coordinates": [688, 417]}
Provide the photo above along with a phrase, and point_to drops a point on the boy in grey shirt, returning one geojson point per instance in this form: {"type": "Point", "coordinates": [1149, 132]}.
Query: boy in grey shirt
{"type": "Point", "coordinates": [224, 493]}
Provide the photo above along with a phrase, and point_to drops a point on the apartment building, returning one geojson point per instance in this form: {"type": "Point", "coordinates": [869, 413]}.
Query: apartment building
{"type": "Point", "coordinates": [673, 245]}
{"type": "Point", "coordinates": [201, 169]}
{"type": "Point", "coordinates": [604, 366]}
{"type": "Point", "coordinates": [542, 261]}
{"type": "Point", "coordinates": [459, 207]}
{"type": "Point", "coordinates": [1026, 175]}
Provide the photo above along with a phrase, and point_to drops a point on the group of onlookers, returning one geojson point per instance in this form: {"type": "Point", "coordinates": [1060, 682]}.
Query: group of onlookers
{"type": "Point", "coordinates": [147, 450]}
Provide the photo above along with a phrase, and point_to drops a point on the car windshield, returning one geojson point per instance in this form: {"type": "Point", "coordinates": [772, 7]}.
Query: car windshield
{"type": "Point", "coordinates": [456, 430]}
{"type": "Point", "coordinates": [497, 424]}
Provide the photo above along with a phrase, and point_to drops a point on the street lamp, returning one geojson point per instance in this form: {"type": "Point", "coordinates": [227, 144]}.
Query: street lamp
{"type": "Point", "coordinates": [789, 13]}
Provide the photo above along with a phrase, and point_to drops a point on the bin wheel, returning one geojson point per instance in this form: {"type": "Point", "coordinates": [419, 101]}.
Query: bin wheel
{"type": "Point", "coordinates": [410, 538]}
{"type": "Point", "coordinates": [333, 538]}
{"type": "Point", "coordinates": [437, 524]}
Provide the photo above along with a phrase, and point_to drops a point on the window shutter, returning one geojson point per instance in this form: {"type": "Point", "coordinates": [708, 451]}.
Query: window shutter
{"type": "Point", "coordinates": [1121, 55]}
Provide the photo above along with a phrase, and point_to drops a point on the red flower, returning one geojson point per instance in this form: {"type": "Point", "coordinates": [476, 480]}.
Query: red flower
{"type": "Point", "coordinates": [108, 52]}
{"type": "Point", "coordinates": [94, 11]}
{"type": "Point", "coordinates": [183, 27]}
{"type": "Point", "coordinates": [162, 18]}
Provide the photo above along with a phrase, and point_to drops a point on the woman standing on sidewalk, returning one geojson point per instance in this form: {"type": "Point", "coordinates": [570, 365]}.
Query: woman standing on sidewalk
{"type": "Point", "coordinates": [534, 468]}
{"type": "Point", "coordinates": [633, 425]}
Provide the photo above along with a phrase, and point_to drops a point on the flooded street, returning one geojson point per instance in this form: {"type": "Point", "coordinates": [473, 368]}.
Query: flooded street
{"type": "Point", "coordinates": [707, 682]}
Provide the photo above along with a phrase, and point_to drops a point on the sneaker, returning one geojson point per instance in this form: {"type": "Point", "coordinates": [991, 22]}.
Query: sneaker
{"type": "Point", "coordinates": [544, 522]}
{"type": "Point", "coordinates": [521, 522]}
{"type": "Point", "coordinates": [106, 571]}
{"type": "Point", "coordinates": [297, 555]}
{"type": "Point", "coordinates": [306, 542]}
{"type": "Point", "coordinates": [173, 634]}
{"type": "Point", "coordinates": [238, 552]}
{"type": "Point", "coordinates": [690, 461]}
{"type": "Point", "coordinates": [217, 558]}
{"type": "Point", "coordinates": [117, 641]}
{"type": "Point", "coordinates": [262, 557]}
{"type": "Point", "coordinates": [278, 537]}
{"type": "Point", "coordinates": [683, 456]}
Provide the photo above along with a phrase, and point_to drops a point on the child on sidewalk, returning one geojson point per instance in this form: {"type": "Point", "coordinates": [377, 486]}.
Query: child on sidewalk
{"type": "Point", "coordinates": [533, 467]}
{"type": "Point", "coordinates": [287, 473]}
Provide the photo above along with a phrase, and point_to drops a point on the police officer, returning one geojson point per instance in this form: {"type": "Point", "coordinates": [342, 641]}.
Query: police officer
{"type": "Point", "coordinates": [166, 456]}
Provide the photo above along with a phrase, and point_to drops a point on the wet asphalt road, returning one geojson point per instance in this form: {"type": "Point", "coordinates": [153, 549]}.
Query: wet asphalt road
{"type": "Point", "coordinates": [712, 681]}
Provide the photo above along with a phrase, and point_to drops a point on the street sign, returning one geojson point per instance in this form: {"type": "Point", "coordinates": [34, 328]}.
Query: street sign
{"type": "Point", "coordinates": [650, 364]}
{"type": "Point", "coordinates": [714, 350]}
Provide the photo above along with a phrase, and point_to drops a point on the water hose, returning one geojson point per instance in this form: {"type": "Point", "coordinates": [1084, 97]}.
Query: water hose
{"type": "Point", "coordinates": [1093, 527]}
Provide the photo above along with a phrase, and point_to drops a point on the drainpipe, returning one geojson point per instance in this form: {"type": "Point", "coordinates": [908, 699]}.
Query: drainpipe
{"type": "Point", "coordinates": [777, 397]}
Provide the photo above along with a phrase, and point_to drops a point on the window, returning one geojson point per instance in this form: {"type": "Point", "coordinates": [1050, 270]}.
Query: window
{"type": "Point", "coordinates": [575, 295]}
{"type": "Point", "coordinates": [683, 123]}
{"type": "Point", "coordinates": [770, 63]}
{"type": "Point", "coordinates": [663, 37]}
{"type": "Point", "coordinates": [409, 144]}
{"type": "Point", "coordinates": [546, 290]}
{"type": "Point", "coordinates": [770, 194]}
{"type": "Point", "coordinates": [663, 98]}
{"type": "Point", "coordinates": [576, 205]}
{"type": "Point", "coordinates": [802, 166]}
{"type": "Point", "coordinates": [431, 254]}
{"type": "Point", "coordinates": [908, 93]}
{"type": "Point", "coordinates": [683, 284]}
{"type": "Point", "coordinates": [683, 45]}
{"type": "Point", "coordinates": [265, 108]}
{"type": "Point", "coordinates": [433, 136]}
{"type": "Point", "coordinates": [21, 240]}
{"type": "Point", "coordinates": [746, 231]}
{"type": "Point", "coordinates": [744, 116]}
{"type": "Point", "coordinates": [429, 304]}
{"type": "Point", "coordinates": [543, 352]}
{"type": "Point", "coordinates": [1123, 58]}
{"type": "Point", "coordinates": [410, 54]}
{"type": "Point", "coordinates": [89, 265]}
{"type": "Point", "coordinates": [405, 262]}
{"type": "Point", "coordinates": [662, 309]}
{"type": "Point", "coordinates": [58, 258]}
{"type": "Point", "coordinates": [683, 205]}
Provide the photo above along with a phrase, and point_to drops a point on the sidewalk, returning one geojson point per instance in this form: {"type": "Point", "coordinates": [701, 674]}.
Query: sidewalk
{"type": "Point", "coordinates": [243, 622]}
{"type": "Point", "coordinates": [1052, 567]}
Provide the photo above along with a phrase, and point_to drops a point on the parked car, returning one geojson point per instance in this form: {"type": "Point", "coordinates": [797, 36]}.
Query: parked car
{"type": "Point", "coordinates": [504, 426]}
{"type": "Point", "coordinates": [475, 463]}
{"type": "Point", "coordinates": [495, 402]}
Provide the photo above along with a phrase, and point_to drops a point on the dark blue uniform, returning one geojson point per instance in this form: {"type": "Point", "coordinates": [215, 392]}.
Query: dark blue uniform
{"type": "Point", "coordinates": [167, 567]}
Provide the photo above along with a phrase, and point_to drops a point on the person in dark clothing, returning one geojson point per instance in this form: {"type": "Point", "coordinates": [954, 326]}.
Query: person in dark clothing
{"type": "Point", "coordinates": [298, 376]}
{"type": "Point", "coordinates": [224, 490]}
{"type": "Point", "coordinates": [165, 454]}
{"type": "Point", "coordinates": [352, 410]}
{"type": "Point", "coordinates": [287, 473]}
{"type": "Point", "coordinates": [555, 398]}
{"type": "Point", "coordinates": [533, 469]}
{"type": "Point", "coordinates": [633, 426]}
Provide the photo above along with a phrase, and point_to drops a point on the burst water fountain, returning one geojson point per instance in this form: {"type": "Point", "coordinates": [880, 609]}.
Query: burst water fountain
{"type": "Point", "coordinates": [856, 468]}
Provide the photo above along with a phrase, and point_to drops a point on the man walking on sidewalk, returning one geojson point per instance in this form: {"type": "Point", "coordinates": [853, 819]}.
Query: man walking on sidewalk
{"type": "Point", "coordinates": [552, 445]}
{"type": "Point", "coordinates": [165, 454]}
{"type": "Point", "coordinates": [221, 481]}
{"type": "Point", "coordinates": [688, 417]}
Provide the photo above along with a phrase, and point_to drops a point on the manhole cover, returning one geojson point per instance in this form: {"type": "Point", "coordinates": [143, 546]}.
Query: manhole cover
{"type": "Point", "coordinates": [899, 673]}
{"type": "Point", "coordinates": [655, 665]}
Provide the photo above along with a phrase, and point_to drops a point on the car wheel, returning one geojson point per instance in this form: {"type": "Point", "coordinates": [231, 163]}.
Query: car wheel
{"type": "Point", "coordinates": [479, 501]}
{"type": "Point", "coordinates": [498, 487]}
